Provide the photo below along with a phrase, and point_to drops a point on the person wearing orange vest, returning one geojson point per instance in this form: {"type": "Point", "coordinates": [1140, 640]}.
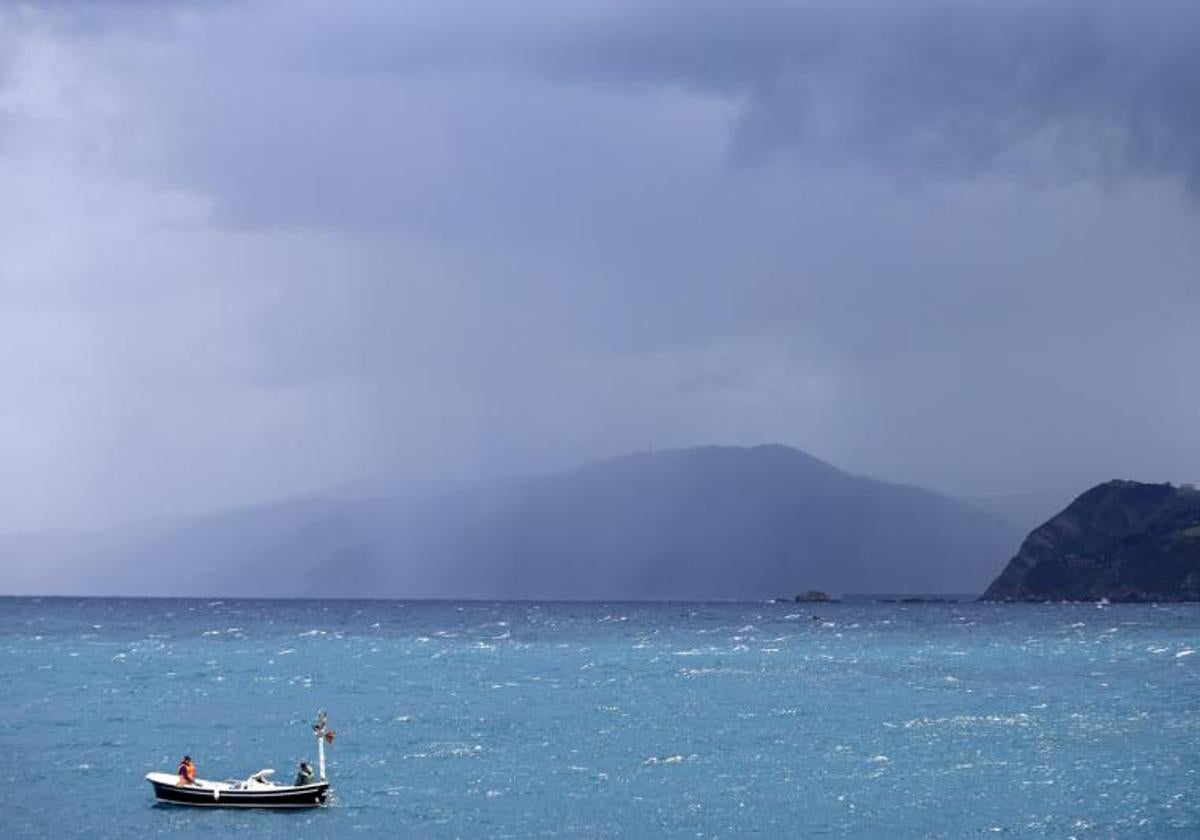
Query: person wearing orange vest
{"type": "Point", "coordinates": [187, 771]}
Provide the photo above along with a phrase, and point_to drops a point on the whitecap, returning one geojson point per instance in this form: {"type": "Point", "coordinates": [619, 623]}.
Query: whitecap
{"type": "Point", "coordinates": [1184, 653]}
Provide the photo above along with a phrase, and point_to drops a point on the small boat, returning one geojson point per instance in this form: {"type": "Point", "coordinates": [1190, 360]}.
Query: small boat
{"type": "Point", "coordinates": [255, 791]}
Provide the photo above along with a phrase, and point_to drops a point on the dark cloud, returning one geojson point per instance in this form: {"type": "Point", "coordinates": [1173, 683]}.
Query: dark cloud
{"type": "Point", "coordinates": [266, 247]}
{"type": "Point", "coordinates": [1063, 90]}
{"type": "Point", "coordinates": [1078, 89]}
{"type": "Point", "coordinates": [351, 119]}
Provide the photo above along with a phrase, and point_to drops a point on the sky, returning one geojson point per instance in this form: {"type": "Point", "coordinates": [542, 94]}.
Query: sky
{"type": "Point", "coordinates": [252, 250]}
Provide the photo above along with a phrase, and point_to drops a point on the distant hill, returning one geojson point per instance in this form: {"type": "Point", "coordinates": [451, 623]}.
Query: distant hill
{"type": "Point", "coordinates": [264, 551]}
{"type": "Point", "coordinates": [1122, 540]}
{"type": "Point", "coordinates": [712, 522]}
{"type": "Point", "coordinates": [709, 522]}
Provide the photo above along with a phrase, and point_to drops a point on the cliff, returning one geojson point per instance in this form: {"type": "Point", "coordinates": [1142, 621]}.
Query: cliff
{"type": "Point", "coordinates": [1121, 540]}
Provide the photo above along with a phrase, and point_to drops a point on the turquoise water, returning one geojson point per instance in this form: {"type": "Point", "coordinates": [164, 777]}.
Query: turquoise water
{"type": "Point", "coordinates": [631, 720]}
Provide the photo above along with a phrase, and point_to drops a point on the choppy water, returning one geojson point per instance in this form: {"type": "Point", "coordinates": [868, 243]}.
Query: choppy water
{"type": "Point", "coordinates": [634, 720]}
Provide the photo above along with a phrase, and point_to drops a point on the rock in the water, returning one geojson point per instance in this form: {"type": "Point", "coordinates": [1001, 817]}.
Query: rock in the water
{"type": "Point", "coordinates": [1122, 540]}
{"type": "Point", "coordinates": [813, 596]}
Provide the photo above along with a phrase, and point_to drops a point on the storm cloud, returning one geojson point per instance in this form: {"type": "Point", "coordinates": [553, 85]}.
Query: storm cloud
{"type": "Point", "coordinates": [252, 250]}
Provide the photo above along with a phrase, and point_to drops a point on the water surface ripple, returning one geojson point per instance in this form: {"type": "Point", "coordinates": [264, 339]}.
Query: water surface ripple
{"type": "Point", "coordinates": [609, 720]}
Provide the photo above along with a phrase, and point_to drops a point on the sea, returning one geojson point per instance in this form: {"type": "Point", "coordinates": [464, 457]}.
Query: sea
{"type": "Point", "coordinates": [525, 719]}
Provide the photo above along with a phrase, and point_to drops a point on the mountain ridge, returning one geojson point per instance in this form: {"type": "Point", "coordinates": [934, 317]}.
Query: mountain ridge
{"type": "Point", "coordinates": [706, 522]}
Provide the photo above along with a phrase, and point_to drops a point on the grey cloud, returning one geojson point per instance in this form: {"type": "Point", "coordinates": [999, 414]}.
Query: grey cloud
{"type": "Point", "coordinates": [357, 118]}
{"type": "Point", "coordinates": [1078, 89]}
{"type": "Point", "coordinates": [1063, 90]}
{"type": "Point", "coordinates": [272, 246]}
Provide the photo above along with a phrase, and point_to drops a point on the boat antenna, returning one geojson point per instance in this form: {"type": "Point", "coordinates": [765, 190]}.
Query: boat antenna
{"type": "Point", "coordinates": [324, 735]}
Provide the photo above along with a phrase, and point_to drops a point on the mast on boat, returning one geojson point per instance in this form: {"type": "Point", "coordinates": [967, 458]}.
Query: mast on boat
{"type": "Point", "coordinates": [324, 735]}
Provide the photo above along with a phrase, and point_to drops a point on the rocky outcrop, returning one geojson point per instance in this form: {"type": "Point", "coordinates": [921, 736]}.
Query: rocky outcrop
{"type": "Point", "coordinates": [1121, 541]}
{"type": "Point", "coordinates": [814, 596]}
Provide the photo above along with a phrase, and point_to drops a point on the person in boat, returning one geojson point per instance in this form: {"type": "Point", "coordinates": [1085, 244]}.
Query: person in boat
{"type": "Point", "coordinates": [305, 775]}
{"type": "Point", "coordinates": [187, 771]}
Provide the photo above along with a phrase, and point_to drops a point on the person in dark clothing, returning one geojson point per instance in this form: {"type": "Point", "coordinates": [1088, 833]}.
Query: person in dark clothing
{"type": "Point", "coordinates": [305, 774]}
